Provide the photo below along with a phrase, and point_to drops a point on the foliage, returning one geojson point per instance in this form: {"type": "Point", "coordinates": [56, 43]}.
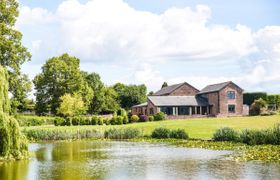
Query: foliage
{"type": "Point", "coordinates": [129, 95]}
{"type": "Point", "coordinates": [60, 75]}
{"type": "Point", "coordinates": [134, 118]}
{"type": "Point", "coordinates": [100, 121]}
{"type": "Point", "coordinates": [119, 120]}
{"type": "Point", "coordinates": [151, 118]}
{"type": "Point", "coordinates": [35, 120]}
{"type": "Point", "coordinates": [143, 118]}
{"type": "Point", "coordinates": [61, 134]}
{"type": "Point", "coordinates": [225, 134]}
{"type": "Point", "coordinates": [122, 112]}
{"type": "Point", "coordinates": [257, 107]}
{"type": "Point", "coordinates": [159, 116]}
{"type": "Point", "coordinates": [161, 133]}
{"type": "Point", "coordinates": [164, 85]}
{"type": "Point", "coordinates": [59, 121]}
{"type": "Point", "coordinates": [12, 53]}
{"type": "Point", "coordinates": [249, 98]}
{"type": "Point", "coordinates": [127, 133]}
{"type": "Point", "coordinates": [12, 143]}
{"type": "Point", "coordinates": [179, 134]}
{"type": "Point", "coordinates": [110, 101]}
{"type": "Point", "coordinates": [94, 120]}
{"type": "Point", "coordinates": [71, 105]}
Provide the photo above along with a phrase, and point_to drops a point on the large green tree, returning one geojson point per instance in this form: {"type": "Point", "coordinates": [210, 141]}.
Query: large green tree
{"type": "Point", "coordinates": [12, 143]}
{"type": "Point", "coordinates": [60, 75]}
{"type": "Point", "coordinates": [12, 53]}
{"type": "Point", "coordinates": [130, 95]}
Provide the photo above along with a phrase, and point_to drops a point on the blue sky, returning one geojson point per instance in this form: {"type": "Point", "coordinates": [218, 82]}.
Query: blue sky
{"type": "Point", "coordinates": [151, 41]}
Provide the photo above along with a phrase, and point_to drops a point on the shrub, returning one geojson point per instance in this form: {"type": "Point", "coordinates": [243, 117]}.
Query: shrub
{"type": "Point", "coordinates": [257, 107]}
{"type": "Point", "coordinates": [125, 119]}
{"type": "Point", "coordinates": [134, 118]}
{"type": "Point", "coordinates": [68, 121]}
{"type": "Point", "coordinates": [159, 116]}
{"type": "Point", "coordinates": [113, 120]}
{"type": "Point", "coordinates": [143, 118]}
{"type": "Point", "coordinates": [161, 133]}
{"type": "Point", "coordinates": [94, 120]}
{"type": "Point", "coordinates": [225, 134]}
{"type": "Point", "coordinates": [179, 134]}
{"type": "Point", "coordinates": [59, 121]}
{"type": "Point", "coordinates": [276, 134]}
{"type": "Point", "coordinates": [127, 133]}
{"type": "Point", "coordinates": [85, 120]}
{"type": "Point", "coordinates": [76, 121]}
{"type": "Point", "coordinates": [106, 121]}
{"type": "Point", "coordinates": [151, 118]}
{"type": "Point", "coordinates": [119, 120]}
{"type": "Point", "coordinates": [253, 137]}
{"type": "Point", "coordinates": [35, 120]}
{"type": "Point", "coordinates": [100, 121]}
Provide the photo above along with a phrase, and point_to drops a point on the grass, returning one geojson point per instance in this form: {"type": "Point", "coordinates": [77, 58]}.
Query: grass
{"type": "Point", "coordinates": [200, 128]}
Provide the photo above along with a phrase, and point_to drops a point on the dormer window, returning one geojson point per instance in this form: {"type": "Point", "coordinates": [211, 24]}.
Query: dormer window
{"type": "Point", "coordinates": [231, 95]}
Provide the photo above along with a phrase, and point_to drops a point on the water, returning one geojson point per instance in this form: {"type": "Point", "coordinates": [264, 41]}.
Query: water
{"type": "Point", "coordinates": [127, 160]}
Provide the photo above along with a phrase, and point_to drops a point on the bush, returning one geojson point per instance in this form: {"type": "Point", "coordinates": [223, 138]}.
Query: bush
{"type": "Point", "coordinates": [143, 118]}
{"type": "Point", "coordinates": [161, 133]}
{"type": "Point", "coordinates": [76, 120]}
{"type": "Point", "coordinates": [253, 137]}
{"type": "Point", "coordinates": [127, 133]}
{"type": "Point", "coordinates": [35, 120]}
{"type": "Point", "coordinates": [119, 120]}
{"type": "Point", "coordinates": [106, 121]}
{"type": "Point", "coordinates": [100, 121]}
{"type": "Point", "coordinates": [59, 121]}
{"type": "Point", "coordinates": [134, 118]}
{"type": "Point", "coordinates": [85, 120]}
{"type": "Point", "coordinates": [151, 118]}
{"type": "Point", "coordinates": [125, 119]}
{"type": "Point", "coordinates": [159, 116]}
{"type": "Point", "coordinates": [179, 134]}
{"type": "Point", "coordinates": [225, 134]}
{"type": "Point", "coordinates": [94, 120]}
{"type": "Point", "coordinates": [257, 107]}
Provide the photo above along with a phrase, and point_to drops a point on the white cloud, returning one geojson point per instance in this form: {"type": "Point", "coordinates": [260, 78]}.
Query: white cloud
{"type": "Point", "coordinates": [113, 32]}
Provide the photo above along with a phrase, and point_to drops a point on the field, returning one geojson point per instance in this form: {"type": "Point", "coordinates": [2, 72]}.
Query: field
{"type": "Point", "coordinates": [201, 128]}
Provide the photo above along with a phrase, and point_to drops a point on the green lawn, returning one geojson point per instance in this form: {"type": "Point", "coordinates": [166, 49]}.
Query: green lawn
{"type": "Point", "coordinates": [201, 128]}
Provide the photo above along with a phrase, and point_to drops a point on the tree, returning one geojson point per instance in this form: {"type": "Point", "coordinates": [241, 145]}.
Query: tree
{"type": "Point", "coordinates": [249, 98]}
{"type": "Point", "coordinates": [151, 93]}
{"type": "Point", "coordinates": [71, 105]}
{"type": "Point", "coordinates": [257, 107]}
{"type": "Point", "coordinates": [60, 75]}
{"type": "Point", "coordinates": [110, 101]}
{"type": "Point", "coordinates": [129, 95]}
{"type": "Point", "coordinates": [12, 53]}
{"type": "Point", "coordinates": [12, 143]}
{"type": "Point", "coordinates": [97, 103]}
{"type": "Point", "coordinates": [164, 85]}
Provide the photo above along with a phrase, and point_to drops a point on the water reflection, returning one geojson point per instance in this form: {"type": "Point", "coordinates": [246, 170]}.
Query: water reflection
{"type": "Point", "coordinates": [127, 160]}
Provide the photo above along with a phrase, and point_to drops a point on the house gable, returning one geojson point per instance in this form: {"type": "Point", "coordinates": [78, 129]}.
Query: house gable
{"type": "Point", "coordinates": [182, 89]}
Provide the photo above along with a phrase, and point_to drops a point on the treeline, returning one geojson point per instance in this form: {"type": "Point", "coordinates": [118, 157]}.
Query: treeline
{"type": "Point", "coordinates": [249, 98]}
{"type": "Point", "coordinates": [63, 89]}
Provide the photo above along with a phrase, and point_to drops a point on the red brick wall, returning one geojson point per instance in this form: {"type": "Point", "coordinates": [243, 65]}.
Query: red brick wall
{"type": "Point", "coordinates": [151, 105]}
{"type": "Point", "coordinates": [184, 90]}
{"type": "Point", "coordinates": [224, 101]}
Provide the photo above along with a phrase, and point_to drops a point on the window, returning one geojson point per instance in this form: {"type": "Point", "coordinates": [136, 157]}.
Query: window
{"type": "Point", "coordinates": [231, 108]}
{"type": "Point", "coordinates": [183, 110]}
{"type": "Point", "coordinates": [231, 95]}
{"type": "Point", "coordinates": [167, 110]}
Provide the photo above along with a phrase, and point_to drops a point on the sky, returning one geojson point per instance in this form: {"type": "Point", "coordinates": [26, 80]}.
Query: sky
{"type": "Point", "coordinates": [151, 41]}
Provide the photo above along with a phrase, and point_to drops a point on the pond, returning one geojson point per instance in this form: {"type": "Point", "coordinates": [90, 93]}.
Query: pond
{"type": "Point", "coordinates": [131, 160]}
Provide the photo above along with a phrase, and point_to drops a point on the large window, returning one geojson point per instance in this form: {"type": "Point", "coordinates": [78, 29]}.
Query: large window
{"type": "Point", "coordinates": [183, 110]}
{"type": "Point", "coordinates": [231, 95]}
{"type": "Point", "coordinates": [231, 108]}
{"type": "Point", "coordinates": [167, 110]}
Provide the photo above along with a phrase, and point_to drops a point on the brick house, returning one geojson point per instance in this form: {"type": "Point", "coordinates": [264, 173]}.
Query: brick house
{"type": "Point", "coordinates": [184, 101]}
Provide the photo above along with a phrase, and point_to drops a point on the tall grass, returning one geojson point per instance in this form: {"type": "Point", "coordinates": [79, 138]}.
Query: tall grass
{"type": "Point", "coordinates": [122, 133]}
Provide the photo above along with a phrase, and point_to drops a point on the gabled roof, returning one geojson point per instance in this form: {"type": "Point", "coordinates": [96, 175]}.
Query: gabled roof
{"type": "Point", "coordinates": [170, 89]}
{"type": "Point", "coordinates": [141, 105]}
{"type": "Point", "coordinates": [216, 87]}
{"type": "Point", "coordinates": [177, 101]}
